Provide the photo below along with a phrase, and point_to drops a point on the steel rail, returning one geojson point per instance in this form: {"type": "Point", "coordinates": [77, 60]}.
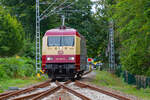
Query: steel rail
{"type": "Point", "coordinates": [6, 93]}
{"type": "Point", "coordinates": [83, 85]}
{"type": "Point", "coordinates": [28, 96]}
{"type": "Point", "coordinates": [46, 93]}
{"type": "Point", "coordinates": [67, 82]}
{"type": "Point", "coordinates": [73, 92]}
{"type": "Point", "coordinates": [36, 95]}
{"type": "Point", "coordinates": [87, 72]}
{"type": "Point", "coordinates": [18, 92]}
{"type": "Point", "coordinates": [42, 84]}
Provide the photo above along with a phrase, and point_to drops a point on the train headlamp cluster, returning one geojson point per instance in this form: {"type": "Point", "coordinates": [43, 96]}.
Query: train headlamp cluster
{"type": "Point", "coordinates": [71, 58]}
{"type": "Point", "coordinates": [49, 58]}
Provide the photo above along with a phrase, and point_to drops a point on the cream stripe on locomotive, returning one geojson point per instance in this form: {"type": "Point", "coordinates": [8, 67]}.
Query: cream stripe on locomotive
{"type": "Point", "coordinates": [67, 50]}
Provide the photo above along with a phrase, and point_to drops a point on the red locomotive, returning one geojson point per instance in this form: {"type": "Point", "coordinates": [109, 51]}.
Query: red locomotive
{"type": "Point", "coordinates": [64, 53]}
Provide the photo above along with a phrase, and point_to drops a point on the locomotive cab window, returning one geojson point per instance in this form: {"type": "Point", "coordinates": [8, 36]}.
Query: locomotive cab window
{"type": "Point", "coordinates": [60, 41]}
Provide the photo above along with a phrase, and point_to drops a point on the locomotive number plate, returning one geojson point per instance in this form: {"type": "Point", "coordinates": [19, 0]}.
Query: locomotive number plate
{"type": "Point", "coordinates": [60, 58]}
{"type": "Point", "coordinates": [60, 52]}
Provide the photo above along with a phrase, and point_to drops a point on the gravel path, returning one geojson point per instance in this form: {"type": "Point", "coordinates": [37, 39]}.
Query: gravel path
{"type": "Point", "coordinates": [59, 95]}
{"type": "Point", "coordinates": [93, 95]}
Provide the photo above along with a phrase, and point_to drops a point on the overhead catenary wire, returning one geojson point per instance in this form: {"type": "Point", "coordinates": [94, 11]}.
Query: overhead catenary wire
{"type": "Point", "coordinates": [48, 8]}
{"type": "Point", "coordinates": [51, 12]}
{"type": "Point", "coordinates": [54, 9]}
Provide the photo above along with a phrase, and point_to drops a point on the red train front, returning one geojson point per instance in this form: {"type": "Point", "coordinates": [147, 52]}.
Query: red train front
{"type": "Point", "coordinates": [63, 53]}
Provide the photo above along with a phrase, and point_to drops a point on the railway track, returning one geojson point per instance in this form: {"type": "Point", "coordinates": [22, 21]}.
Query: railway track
{"type": "Point", "coordinates": [78, 89]}
{"type": "Point", "coordinates": [28, 95]}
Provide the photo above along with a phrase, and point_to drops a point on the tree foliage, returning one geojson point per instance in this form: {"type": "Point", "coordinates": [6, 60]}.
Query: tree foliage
{"type": "Point", "coordinates": [16, 68]}
{"type": "Point", "coordinates": [11, 34]}
{"type": "Point", "coordinates": [132, 34]}
{"type": "Point", "coordinates": [82, 19]}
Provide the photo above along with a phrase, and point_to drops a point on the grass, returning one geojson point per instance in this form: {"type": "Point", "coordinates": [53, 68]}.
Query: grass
{"type": "Point", "coordinates": [106, 79]}
{"type": "Point", "coordinates": [22, 82]}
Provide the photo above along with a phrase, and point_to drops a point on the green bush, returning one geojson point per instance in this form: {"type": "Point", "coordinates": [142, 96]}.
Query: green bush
{"type": "Point", "coordinates": [11, 34]}
{"type": "Point", "coordinates": [16, 68]}
{"type": "Point", "coordinates": [28, 49]}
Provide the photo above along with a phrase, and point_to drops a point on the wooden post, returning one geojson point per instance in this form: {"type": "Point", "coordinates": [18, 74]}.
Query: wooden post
{"type": "Point", "coordinates": [126, 76]}
{"type": "Point", "coordinates": [149, 82]}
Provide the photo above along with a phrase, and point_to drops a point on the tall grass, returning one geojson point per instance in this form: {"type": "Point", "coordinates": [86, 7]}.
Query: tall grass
{"type": "Point", "coordinates": [109, 80]}
{"type": "Point", "coordinates": [16, 68]}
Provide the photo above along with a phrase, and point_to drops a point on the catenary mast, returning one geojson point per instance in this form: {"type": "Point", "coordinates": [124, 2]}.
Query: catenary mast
{"type": "Point", "coordinates": [38, 53]}
{"type": "Point", "coordinates": [46, 13]}
{"type": "Point", "coordinates": [111, 45]}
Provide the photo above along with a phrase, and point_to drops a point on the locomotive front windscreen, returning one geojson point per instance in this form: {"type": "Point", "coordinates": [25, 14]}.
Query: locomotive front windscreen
{"type": "Point", "coordinates": [60, 41]}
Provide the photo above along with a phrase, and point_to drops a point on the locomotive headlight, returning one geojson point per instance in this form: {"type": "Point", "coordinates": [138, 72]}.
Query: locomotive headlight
{"type": "Point", "coordinates": [49, 58]}
{"type": "Point", "coordinates": [71, 58]}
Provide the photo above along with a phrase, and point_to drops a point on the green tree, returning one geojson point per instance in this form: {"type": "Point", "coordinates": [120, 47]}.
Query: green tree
{"type": "Point", "coordinates": [11, 34]}
{"type": "Point", "coordinates": [82, 19]}
{"type": "Point", "coordinates": [132, 34]}
{"type": "Point", "coordinates": [92, 26]}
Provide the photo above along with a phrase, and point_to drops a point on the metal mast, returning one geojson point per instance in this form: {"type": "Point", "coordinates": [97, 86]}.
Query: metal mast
{"type": "Point", "coordinates": [46, 13]}
{"type": "Point", "coordinates": [111, 49]}
{"type": "Point", "coordinates": [38, 53]}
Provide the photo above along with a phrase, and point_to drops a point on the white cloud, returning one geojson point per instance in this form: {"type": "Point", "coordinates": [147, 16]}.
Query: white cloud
{"type": "Point", "coordinates": [94, 0]}
{"type": "Point", "coordinates": [93, 7]}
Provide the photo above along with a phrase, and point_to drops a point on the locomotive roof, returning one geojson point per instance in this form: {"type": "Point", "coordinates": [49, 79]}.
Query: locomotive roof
{"type": "Point", "coordinates": [62, 31]}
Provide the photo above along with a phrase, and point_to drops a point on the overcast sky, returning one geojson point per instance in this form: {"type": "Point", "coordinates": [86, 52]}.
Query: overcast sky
{"type": "Point", "coordinates": [94, 0]}
{"type": "Point", "coordinates": [93, 8]}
